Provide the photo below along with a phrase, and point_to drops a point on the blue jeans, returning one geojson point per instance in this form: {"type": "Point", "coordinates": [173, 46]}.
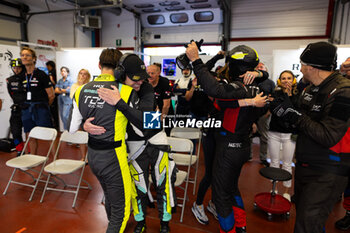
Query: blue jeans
{"type": "Point", "coordinates": [64, 110]}
{"type": "Point", "coordinates": [36, 114]}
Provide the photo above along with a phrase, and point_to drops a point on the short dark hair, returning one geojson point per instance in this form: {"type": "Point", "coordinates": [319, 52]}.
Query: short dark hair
{"type": "Point", "coordinates": [66, 68]}
{"type": "Point", "coordinates": [158, 64]}
{"type": "Point", "coordinates": [52, 64]}
{"type": "Point", "coordinates": [110, 57]}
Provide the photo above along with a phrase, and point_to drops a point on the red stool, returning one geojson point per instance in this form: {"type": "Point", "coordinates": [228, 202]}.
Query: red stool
{"type": "Point", "coordinates": [273, 203]}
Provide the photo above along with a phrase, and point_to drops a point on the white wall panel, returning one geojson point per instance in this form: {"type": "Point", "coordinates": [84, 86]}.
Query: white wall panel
{"type": "Point", "coordinates": [110, 30]}
{"type": "Point", "coordinates": [275, 18]}
{"type": "Point", "coordinates": [48, 27]}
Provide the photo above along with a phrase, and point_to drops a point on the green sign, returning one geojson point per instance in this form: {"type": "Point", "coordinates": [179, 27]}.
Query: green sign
{"type": "Point", "coordinates": [118, 42]}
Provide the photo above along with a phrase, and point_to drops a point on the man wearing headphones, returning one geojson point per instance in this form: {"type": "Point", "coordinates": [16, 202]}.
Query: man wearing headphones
{"type": "Point", "coordinates": [321, 119]}
{"type": "Point", "coordinates": [107, 153]}
{"type": "Point", "coordinates": [146, 148]}
{"type": "Point", "coordinates": [17, 92]}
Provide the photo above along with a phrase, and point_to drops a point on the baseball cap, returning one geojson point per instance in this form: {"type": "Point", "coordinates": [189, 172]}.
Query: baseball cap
{"type": "Point", "coordinates": [321, 55]}
{"type": "Point", "coordinates": [135, 68]}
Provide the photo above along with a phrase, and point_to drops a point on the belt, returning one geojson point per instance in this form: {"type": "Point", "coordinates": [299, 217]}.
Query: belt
{"type": "Point", "coordinates": [103, 145]}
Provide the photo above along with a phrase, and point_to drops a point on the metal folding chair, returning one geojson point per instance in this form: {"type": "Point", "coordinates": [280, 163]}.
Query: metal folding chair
{"type": "Point", "coordinates": [68, 166]}
{"type": "Point", "coordinates": [182, 154]}
{"type": "Point", "coordinates": [28, 161]}
{"type": "Point", "coordinates": [192, 134]}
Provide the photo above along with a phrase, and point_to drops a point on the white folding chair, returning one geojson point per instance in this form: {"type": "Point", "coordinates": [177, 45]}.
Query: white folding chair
{"type": "Point", "coordinates": [192, 134]}
{"type": "Point", "coordinates": [28, 161]}
{"type": "Point", "coordinates": [67, 166]}
{"type": "Point", "coordinates": [179, 146]}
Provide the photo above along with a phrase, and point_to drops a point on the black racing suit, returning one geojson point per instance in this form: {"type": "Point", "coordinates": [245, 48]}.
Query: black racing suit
{"type": "Point", "coordinates": [107, 153]}
{"type": "Point", "coordinates": [232, 145]}
{"type": "Point", "coordinates": [155, 154]}
{"type": "Point", "coordinates": [18, 94]}
{"type": "Point", "coordinates": [322, 151]}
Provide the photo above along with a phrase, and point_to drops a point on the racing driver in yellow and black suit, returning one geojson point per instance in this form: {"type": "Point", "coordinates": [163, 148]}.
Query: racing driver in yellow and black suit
{"type": "Point", "coordinates": [107, 153]}
{"type": "Point", "coordinates": [148, 148]}
{"type": "Point", "coordinates": [239, 110]}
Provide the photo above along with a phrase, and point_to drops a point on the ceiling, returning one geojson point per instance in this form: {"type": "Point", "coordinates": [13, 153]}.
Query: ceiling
{"type": "Point", "coordinates": [152, 6]}
{"type": "Point", "coordinates": [168, 5]}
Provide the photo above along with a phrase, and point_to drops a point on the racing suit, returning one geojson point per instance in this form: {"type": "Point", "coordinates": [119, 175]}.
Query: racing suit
{"type": "Point", "coordinates": [18, 94]}
{"type": "Point", "coordinates": [150, 149]}
{"type": "Point", "coordinates": [232, 145]}
{"type": "Point", "coordinates": [322, 151]}
{"type": "Point", "coordinates": [107, 153]}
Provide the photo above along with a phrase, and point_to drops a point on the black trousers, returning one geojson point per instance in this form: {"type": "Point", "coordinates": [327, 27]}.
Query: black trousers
{"type": "Point", "coordinates": [229, 159]}
{"type": "Point", "coordinates": [16, 125]}
{"type": "Point", "coordinates": [209, 155]}
{"type": "Point", "coordinates": [316, 193]}
{"type": "Point", "coordinates": [112, 171]}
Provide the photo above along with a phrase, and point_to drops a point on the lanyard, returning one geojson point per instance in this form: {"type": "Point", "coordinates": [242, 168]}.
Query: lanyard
{"type": "Point", "coordinates": [28, 81]}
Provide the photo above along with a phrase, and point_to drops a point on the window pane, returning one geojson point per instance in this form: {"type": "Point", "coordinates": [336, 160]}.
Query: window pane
{"type": "Point", "coordinates": [175, 8]}
{"type": "Point", "coordinates": [200, 6]}
{"type": "Point", "coordinates": [195, 1]}
{"type": "Point", "coordinates": [179, 18]}
{"type": "Point", "coordinates": [156, 19]}
{"type": "Point", "coordinates": [144, 5]}
{"type": "Point", "coordinates": [204, 16]}
{"type": "Point", "coordinates": [151, 10]}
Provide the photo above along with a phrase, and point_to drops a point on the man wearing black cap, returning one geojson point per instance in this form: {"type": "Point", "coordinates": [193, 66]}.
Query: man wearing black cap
{"type": "Point", "coordinates": [107, 153]}
{"type": "Point", "coordinates": [146, 148]}
{"type": "Point", "coordinates": [322, 149]}
{"type": "Point", "coordinates": [18, 94]}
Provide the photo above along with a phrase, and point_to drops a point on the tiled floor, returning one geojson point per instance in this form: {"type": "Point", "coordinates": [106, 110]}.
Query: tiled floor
{"type": "Point", "coordinates": [55, 214]}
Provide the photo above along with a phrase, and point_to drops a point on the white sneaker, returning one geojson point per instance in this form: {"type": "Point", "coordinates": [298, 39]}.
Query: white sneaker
{"type": "Point", "coordinates": [286, 196]}
{"type": "Point", "coordinates": [212, 209]}
{"type": "Point", "coordinates": [199, 213]}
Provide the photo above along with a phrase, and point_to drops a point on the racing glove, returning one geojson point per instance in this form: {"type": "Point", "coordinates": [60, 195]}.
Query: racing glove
{"type": "Point", "coordinates": [282, 107]}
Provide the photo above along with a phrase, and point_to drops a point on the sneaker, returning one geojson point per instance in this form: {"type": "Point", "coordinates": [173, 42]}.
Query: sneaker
{"type": "Point", "coordinates": [344, 223]}
{"type": "Point", "coordinates": [286, 196]}
{"type": "Point", "coordinates": [164, 227]}
{"type": "Point", "coordinates": [140, 227]}
{"type": "Point", "coordinates": [212, 209]}
{"type": "Point", "coordinates": [265, 163]}
{"type": "Point", "coordinates": [199, 213]}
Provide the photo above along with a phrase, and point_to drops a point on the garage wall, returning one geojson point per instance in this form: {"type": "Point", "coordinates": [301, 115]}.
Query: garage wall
{"type": "Point", "coordinates": [9, 29]}
{"type": "Point", "coordinates": [275, 18]}
{"type": "Point", "coordinates": [117, 27]}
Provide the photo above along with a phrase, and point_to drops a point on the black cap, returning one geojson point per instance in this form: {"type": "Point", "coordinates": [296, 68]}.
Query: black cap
{"type": "Point", "coordinates": [321, 55]}
{"type": "Point", "coordinates": [17, 62]}
{"type": "Point", "coordinates": [135, 68]}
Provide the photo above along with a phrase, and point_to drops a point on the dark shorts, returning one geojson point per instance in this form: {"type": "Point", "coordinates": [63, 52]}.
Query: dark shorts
{"type": "Point", "coordinates": [36, 114]}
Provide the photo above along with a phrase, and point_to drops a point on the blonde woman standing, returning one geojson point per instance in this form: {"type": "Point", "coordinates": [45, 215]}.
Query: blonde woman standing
{"type": "Point", "coordinates": [83, 78]}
